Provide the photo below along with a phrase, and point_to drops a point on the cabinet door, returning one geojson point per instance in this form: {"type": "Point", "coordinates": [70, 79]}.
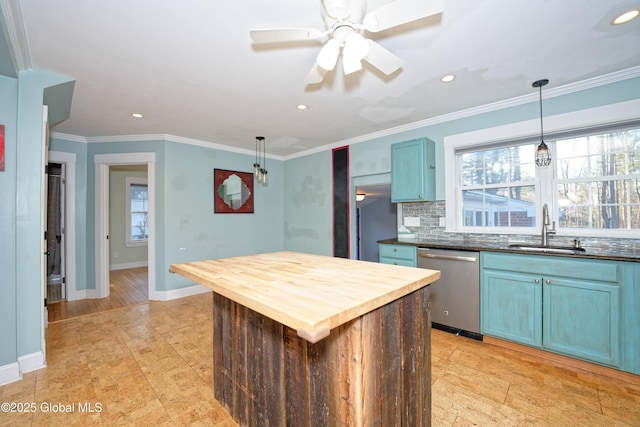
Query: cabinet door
{"type": "Point", "coordinates": [582, 319]}
{"type": "Point", "coordinates": [413, 171]}
{"type": "Point", "coordinates": [511, 306]}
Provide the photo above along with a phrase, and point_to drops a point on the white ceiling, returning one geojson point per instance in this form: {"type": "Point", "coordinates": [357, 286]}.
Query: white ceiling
{"type": "Point", "coordinates": [191, 69]}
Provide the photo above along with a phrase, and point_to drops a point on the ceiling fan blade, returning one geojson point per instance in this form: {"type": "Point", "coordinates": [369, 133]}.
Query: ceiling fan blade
{"type": "Point", "coordinates": [275, 35]}
{"type": "Point", "coordinates": [351, 64]}
{"type": "Point", "coordinates": [400, 12]}
{"type": "Point", "coordinates": [316, 75]}
{"type": "Point", "coordinates": [382, 59]}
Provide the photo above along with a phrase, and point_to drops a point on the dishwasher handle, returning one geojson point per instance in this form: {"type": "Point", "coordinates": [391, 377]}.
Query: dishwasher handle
{"type": "Point", "coordinates": [447, 257]}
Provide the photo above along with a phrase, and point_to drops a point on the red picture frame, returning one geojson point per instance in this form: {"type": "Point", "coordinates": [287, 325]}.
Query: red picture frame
{"type": "Point", "coordinates": [233, 196]}
{"type": "Point", "coordinates": [1, 147]}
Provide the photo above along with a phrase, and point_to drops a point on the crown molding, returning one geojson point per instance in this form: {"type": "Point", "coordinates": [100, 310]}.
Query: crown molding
{"type": "Point", "coordinates": [17, 37]}
{"type": "Point", "coordinates": [67, 137]}
{"type": "Point", "coordinates": [567, 89]}
{"type": "Point", "coordinates": [570, 88]}
{"type": "Point", "coordinates": [157, 137]}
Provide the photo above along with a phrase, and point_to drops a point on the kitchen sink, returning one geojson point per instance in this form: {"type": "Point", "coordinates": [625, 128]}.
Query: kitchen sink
{"type": "Point", "coordinates": [548, 249]}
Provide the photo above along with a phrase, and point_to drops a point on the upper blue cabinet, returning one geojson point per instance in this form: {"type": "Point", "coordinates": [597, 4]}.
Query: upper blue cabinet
{"type": "Point", "coordinates": [413, 171]}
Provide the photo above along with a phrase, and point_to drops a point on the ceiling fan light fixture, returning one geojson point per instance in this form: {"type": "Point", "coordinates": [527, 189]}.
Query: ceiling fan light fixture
{"type": "Point", "coordinates": [328, 55]}
{"type": "Point", "coordinates": [356, 45]}
{"type": "Point", "coordinates": [626, 17]}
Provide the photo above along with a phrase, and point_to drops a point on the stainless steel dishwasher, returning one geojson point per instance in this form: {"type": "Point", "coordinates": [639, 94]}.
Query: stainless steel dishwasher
{"type": "Point", "coordinates": [455, 298]}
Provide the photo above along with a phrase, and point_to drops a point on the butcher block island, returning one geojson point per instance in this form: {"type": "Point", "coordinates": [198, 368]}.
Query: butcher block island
{"type": "Point", "coordinates": [311, 340]}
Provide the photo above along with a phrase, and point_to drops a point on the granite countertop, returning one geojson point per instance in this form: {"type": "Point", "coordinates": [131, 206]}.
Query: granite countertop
{"type": "Point", "coordinates": [309, 293]}
{"type": "Point", "coordinates": [614, 254]}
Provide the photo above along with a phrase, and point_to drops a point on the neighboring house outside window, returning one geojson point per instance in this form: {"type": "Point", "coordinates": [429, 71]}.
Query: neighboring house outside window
{"type": "Point", "coordinates": [498, 187]}
{"type": "Point", "coordinates": [137, 203]}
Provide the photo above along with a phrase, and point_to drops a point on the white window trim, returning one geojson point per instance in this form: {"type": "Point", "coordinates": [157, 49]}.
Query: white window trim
{"type": "Point", "coordinates": [598, 116]}
{"type": "Point", "coordinates": [128, 181]}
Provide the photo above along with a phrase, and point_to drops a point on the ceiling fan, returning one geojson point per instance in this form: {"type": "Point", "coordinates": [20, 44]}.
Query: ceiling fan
{"type": "Point", "coordinates": [345, 21]}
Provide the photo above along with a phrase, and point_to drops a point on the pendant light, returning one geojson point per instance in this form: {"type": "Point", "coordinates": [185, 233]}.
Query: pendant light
{"type": "Point", "coordinates": [543, 154]}
{"type": "Point", "coordinates": [256, 165]}
{"type": "Point", "coordinates": [264, 174]}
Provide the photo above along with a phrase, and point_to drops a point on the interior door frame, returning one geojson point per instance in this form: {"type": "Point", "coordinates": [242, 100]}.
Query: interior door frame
{"type": "Point", "coordinates": [69, 161]}
{"type": "Point", "coordinates": [102, 163]}
{"type": "Point", "coordinates": [44, 159]}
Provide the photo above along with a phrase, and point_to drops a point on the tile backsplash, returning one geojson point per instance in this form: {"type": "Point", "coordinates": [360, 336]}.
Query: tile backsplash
{"type": "Point", "coordinates": [431, 231]}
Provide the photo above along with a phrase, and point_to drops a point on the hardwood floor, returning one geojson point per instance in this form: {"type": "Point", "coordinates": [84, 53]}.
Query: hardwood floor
{"type": "Point", "coordinates": [126, 288]}
{"type": "Point", "coordinates": [151, 364]}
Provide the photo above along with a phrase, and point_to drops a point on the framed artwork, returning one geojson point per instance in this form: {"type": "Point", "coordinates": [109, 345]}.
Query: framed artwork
{"type": "Point", "coordinates": [1, 147]}
{"type": "Point", "coordinates": [232, 191]}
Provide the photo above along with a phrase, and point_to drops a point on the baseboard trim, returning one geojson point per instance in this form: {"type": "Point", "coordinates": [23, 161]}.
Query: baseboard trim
{"type": "Point", "coordinates": [565, 361]}
{"type": "Point", "coordinates": [83, 294]}
{"type": "Point", "coordinates": [179, 293]}
{"type": "Point", "coordinates": [10, 373]}
{"type": "Point", "coordinates": [127, 265]}
{"type": "Point", "coordinates": [31, 362]}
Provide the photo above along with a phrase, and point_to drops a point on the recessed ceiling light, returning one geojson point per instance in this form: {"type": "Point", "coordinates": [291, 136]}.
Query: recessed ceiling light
{"type": "Point", "coordinates": [137, 115]}
{"type": "Point", "coordinates": [302, 107]}
{"type": "Point", "coordinates": [626, 17]}
{"type": "Point", "coordinates": [448, 78]}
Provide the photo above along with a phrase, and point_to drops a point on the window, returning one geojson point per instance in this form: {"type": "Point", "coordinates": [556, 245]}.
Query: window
{"type": "Point", "coordinates": [497, 186]}
{"type": "Point", "coordinates": [592, 186]}
{"type": "Point", "coordinates": [598, 181]}
{"type": "Point", "coordinates": [137, 204]}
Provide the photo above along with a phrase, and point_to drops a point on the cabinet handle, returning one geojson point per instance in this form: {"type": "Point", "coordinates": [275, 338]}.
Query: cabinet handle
{"type": "Point", "coordinates": [395, 250]}
{"type": "Point", "coordinates": [536, 281]}
{"type": "Point", "coordinates": [548, 282]}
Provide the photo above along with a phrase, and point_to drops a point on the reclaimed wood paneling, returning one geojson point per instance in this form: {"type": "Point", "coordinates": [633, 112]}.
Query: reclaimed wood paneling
{"type": "Point", "coordinates": [371, 371]}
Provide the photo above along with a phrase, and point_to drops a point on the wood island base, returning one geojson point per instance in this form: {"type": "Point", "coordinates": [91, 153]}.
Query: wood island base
{"type": "Point", "coordinates": [374, 370]}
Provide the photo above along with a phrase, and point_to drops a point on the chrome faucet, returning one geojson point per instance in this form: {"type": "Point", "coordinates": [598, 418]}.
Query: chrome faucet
{"type": "Point", "coordinates": [545, 223]}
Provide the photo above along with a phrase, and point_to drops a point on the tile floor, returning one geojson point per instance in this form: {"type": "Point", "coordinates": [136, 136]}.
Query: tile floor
{"type": "Point", "coordinates": [151, 365]}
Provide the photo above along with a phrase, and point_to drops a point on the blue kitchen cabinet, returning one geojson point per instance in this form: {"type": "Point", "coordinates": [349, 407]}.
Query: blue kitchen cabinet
{"type": "Point", "coordinates": [631, 317]}
{"type": "Point", "coordinates": [512, 306]}
{"type": "Point", "coordinates": [406, 255]}
{"type": "Point", "coordinates": [564, 305]}
{"type": "Point", "coordinates": [413, 171]}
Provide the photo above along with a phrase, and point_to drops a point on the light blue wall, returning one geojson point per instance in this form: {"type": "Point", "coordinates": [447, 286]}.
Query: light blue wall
{"type": "Point", "coordinates": [186, 227]}
{"type": "Point", "coordinates": [194, 231]}
{"type": "Point", "coordinates": [32, 85]}
{"type": "Point", "coordinates": [308, 204]}
{"type": "Point", "coordinates": [8, 117]}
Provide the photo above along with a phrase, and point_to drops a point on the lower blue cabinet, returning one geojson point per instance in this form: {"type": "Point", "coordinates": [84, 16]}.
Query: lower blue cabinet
{"type": "Point", "coordinates": [406, 255]}
{"type": "Point", "coordinates": [564, 305]}
{"type": "Point", "coordinates": [512, 306]}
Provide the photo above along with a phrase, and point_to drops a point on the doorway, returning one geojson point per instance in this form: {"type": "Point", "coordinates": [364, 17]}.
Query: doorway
{"type": "Point", "coordinates": [56, 257]}
{"type": "Point", "coordinates": [103, 163]}
{"type": "Point", "coordinates": [377, 219]}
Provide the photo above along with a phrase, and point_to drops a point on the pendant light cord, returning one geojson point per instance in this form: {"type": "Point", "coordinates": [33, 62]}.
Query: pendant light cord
{"type": "Point", "coordinates": [541, 126]}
